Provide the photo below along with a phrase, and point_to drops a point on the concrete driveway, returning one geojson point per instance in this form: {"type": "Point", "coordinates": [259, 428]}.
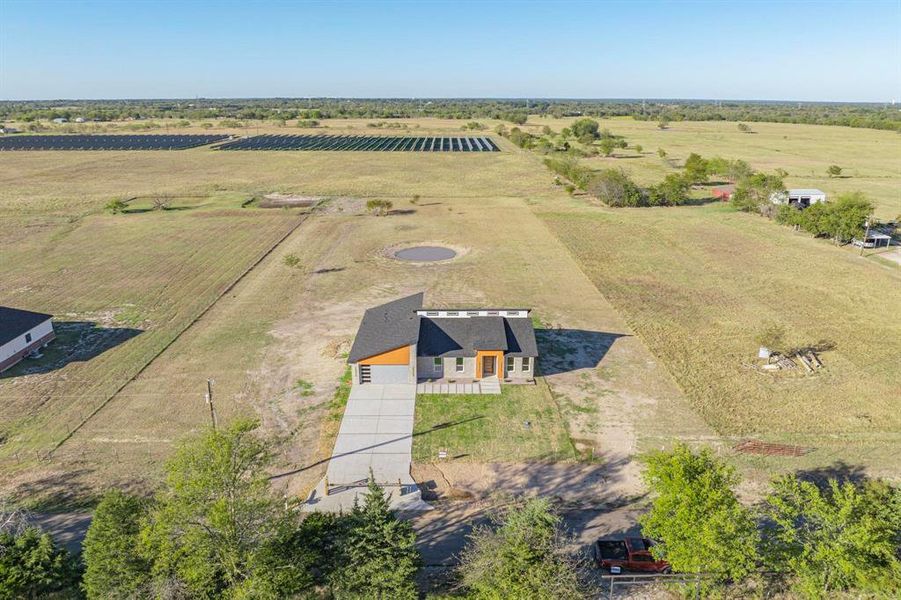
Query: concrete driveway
{"type": "Point", "coordinates": [376, 435]}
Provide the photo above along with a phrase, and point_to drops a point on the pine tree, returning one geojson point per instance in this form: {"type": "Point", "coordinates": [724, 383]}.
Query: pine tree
{"type": "Point", "coordinates": [379, 557]}
{"type": "Point", "coordinates": [113, 565]}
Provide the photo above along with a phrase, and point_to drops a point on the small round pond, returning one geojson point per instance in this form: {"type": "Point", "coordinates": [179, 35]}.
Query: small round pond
{"type": "Point", "coordinates": [425, 253]}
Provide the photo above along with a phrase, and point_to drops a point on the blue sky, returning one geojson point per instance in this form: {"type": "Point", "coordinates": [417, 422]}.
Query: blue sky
{"type": "Point", "coordinates": [841, 51]}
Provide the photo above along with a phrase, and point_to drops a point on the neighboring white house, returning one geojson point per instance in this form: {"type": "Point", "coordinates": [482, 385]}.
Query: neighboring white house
{"type": "Point", "coordinates": [802, 197]}
{"type": "Point", "coordinates": [21, 333]}
{"type": "Point", "coordinates": [60, 120]}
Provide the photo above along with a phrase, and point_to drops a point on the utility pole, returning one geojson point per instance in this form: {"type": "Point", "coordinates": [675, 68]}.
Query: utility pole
{"type": "Point", "coordinates": [209, 400]}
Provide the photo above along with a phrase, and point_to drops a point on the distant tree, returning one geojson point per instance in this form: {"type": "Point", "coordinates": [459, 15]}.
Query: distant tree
{"type": "Point", "coordinates": [840, 537]}
{"type": "Point", "coordinates": [206, 125]}
{"type": "Point", "coordinates": [114, 567]}
{"type": "Point", "coordinates": [663, 123]}
{"type": "Point", "coordinates": [379, 208]}
{"type": "Point", "coordinates": [753, 192]}
{"type": "Point", "coordinates": [115, 206]}
{"type": "Point", "coordinates": [546, 130]}
{"type": "Point", "coordinates": [520, 138]}
{"type": "Point", "coordinates": [695, 169]}
{"type": "Point", "coordinates": [566, 132]}
{"type": "Point", "coordinates": [585, 127]}
{"type": "Point", "coordinates": [522, 555]}
{"type": "Point", "coordinates": [661, 152]}
{"type": "Point", "coordinates": [696, 517]}
{"type": "Point", "coordinates": [517, 117]}
{"type": "Point", "coordinates": [379, 558]}
{"type": "Point", "coordinates": [638, 148]}
{"type": "Point", "coordinates": [607, 146]}
{"type": "Point", "coordinates": [847, 216]}
{"type": "Point", "coordinates": [614, 188]}
{"type": "Point", "coordinates": [672, 191]}
{"type": "Point", "coordinates": [32, 566]}
{"type": "Point", "coordinates": [744, 128]}
{"type": "Point", "coordinates": [160, 203]}
{"type": "Point", "coordinates": [834, 170]}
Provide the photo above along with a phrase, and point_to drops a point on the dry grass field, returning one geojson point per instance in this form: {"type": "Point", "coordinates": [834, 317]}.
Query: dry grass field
{"type": "Point", "coordinates": [596, 277]}
{"type": "Point", "coordinates": [870, 159]}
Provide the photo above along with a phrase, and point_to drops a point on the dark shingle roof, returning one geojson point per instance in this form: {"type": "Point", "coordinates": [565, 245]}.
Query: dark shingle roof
{"type": "Point", "coordinates": [15, 322]}
{"type": "Point", "coordinates": [520, 337]}
{"type": "Point", "coordinates": [460, 336]}
{"type": "Point", "coordinates": [387, 327]}
{"type": "Point", "coordinates": [396, 324]}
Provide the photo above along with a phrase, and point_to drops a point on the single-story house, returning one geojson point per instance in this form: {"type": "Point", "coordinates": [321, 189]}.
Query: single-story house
{"type": "Point", "coordinates": [21, 333]}
{"type": "Point", "coordinates": [402, 342]}
{"type": "Point", "coordinates": [801, 197]}
{"type": "Point", "coordinates": [60, 120]}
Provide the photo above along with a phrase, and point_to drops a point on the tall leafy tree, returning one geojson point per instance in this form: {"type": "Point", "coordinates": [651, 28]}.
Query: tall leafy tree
{"type": "Point", "coordinates": [521, 556]}
{"type": "Point", "coordinates": [379, 558]}
{"type": "Point", "coordinates": [696, 168]}
{"type": "Point", "coordinates": [114, 567]}
{"type": "Point", "coordinates": [32, 567]}
{"type": "Point", "coordinates": [695, 516]}
{"type": "Point", "coordinates": [839, 537]}
{"type": "Point", "coordinates": [585, 127]}
{"type": "Point", "coordinates": [215, 522]}
{"type": "Point", "coordinates": [753, 192]}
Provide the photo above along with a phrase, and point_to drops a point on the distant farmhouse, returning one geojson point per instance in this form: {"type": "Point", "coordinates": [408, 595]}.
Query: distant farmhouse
{"type": "Point", "coordinates": [801, 198]}
{"type": "Point", "coordinates": [402, 342]}
{"type": "Point", "coordinates": [21, 333]}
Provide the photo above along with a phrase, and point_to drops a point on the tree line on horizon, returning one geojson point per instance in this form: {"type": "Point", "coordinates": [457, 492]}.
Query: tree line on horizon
{"type": "Point", "coordinates": [866, 115]}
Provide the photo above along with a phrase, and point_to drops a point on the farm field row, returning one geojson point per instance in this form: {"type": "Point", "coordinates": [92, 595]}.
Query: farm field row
{"type": "Point", "coordinates": [122, 287]}
{"type": "Point", "coordinates": [698, 283]}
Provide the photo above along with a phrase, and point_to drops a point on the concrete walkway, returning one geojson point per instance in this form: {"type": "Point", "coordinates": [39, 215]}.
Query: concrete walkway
{"type": "Point", "coordinates": [376, 436]}
{"type": "Point", "coordinates": [490, 385]}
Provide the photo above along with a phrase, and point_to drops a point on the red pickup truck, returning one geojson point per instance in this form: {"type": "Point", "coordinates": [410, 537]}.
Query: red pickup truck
{"type": "Point", "coordinates": [628, 554]}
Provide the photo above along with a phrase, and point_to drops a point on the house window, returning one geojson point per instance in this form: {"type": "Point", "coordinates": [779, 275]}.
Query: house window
{"type": "Point", "coordinates": [460, 364]}
{"type": "Point", "coordinates": [27, 338]}
{"type": "Point", "coordinates": [493, 313]}
{"type": "Point", "coordinates": [510, 361]}
{"type": "Point", "coordinates": [436, 364]}
{"type": "Point", "coordinates": [452, 313]}
{"type": "Point", "coordinates": [526, 363]}
{"type": "Point", "coordinates": [431, 313]}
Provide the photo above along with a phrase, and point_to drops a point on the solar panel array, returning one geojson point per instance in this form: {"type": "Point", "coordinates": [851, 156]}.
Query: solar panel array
{"type": "Point", "coordinates": [363, 143]}
{"type": "Point", "coordinates": [107, 142]}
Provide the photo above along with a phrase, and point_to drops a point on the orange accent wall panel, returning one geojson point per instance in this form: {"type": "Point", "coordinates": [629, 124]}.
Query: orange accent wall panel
{"type": "Point", "coordinates": [498, 362]}
{"type": "Point", "coordinates": [398, 356]}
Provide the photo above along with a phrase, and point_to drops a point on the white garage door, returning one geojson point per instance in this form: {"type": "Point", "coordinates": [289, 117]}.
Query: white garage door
{"type": "Point", "coordinates": [388, 374]}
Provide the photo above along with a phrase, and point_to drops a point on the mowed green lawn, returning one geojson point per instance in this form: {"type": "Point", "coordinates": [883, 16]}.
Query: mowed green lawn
{"type": "Point", "coordinates": [488, 428]}
{"type": "Point", "coordinates": [698, 283]}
